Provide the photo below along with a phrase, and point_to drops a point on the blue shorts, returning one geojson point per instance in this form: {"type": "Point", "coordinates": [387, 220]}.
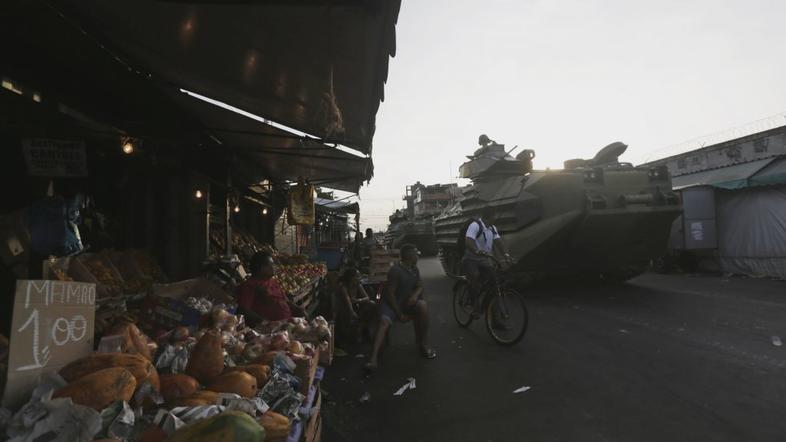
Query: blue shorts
{"type": "Point", "coordinates": [387, 313]}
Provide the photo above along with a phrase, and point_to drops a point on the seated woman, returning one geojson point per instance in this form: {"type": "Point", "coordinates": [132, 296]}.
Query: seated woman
{"type": "Point", "coordinates": [261, 297]}
{"type": "Point", "coordinates": [356, 311]}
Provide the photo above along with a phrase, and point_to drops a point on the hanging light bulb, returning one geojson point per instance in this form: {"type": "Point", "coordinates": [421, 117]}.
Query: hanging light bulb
{"type": "Point", "coordinates": [128, 147]}
{"type": "Point", "coordinates": [198, 194]}
{"type": "Point", "coordinates": [264, 211]}
{"type": "Point", "coordinates": [237, 208]}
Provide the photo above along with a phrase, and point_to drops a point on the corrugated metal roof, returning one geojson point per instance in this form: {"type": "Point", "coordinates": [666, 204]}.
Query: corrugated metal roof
{"type": "Point", "coordinates": [731, 177]}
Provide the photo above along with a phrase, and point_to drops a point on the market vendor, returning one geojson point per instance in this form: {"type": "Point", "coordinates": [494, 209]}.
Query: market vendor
{"type": "Point", "coordinates": [261, 296]}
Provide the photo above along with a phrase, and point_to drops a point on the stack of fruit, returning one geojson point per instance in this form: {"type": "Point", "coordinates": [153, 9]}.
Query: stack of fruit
{"type": "Point", "coordinates": [294, 278]}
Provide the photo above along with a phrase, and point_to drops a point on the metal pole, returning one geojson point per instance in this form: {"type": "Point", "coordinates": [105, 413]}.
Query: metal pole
{"type": "Point", "coordinates": [227, 217]}
{"type": "Point", "coordinates": [207, 221]}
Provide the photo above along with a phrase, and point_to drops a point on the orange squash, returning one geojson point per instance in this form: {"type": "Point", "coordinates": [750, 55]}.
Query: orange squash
{"type": "Point", "coordinates": [100, 389]}
{"type": "Point", "coordinates": [202, 397]}
{"type": "Point", "coordinates": [237, 382]}
{"type": "Point", "coordinates": [140, 367]}
{"type": "Point", "coordinates": [259, 371]}
{"type": "Point", "coordinates": [207, 359]}
{"type": "Point", "coordinates": [177, 386]}
{"type": "Point", "coordinates": [277, 426]}
{"type": "Point", "coordinates": [134, 341]}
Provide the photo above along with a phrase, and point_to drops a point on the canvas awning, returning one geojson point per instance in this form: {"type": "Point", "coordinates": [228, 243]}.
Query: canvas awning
{"type": "Point", "coordinates": [731, 177]}
{"type": "Point", "coordinates": [277, 155]}
{"type": "Point", "coordinates": [316, 66]}
{"type": "Point", "coordinates": [773, 173]}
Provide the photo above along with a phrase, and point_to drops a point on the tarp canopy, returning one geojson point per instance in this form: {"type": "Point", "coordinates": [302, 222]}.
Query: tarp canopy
{"type": "Point", "coordinates": [752, 231]}
{"type": "Point", "coordinates": [277, 155]}
{"type": "Point", "coordinates": [337, 206]}
{"type": "Point", "coordinates": [732, 177]}
{"type": "Point", "coordinates": [774, 173]}
{"type": "Point", "coordinates": [316, 66]}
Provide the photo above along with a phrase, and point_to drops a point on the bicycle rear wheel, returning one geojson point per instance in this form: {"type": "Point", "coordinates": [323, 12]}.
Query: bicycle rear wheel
{"type": "Point", "coordinates": [506, 317]}
{"type": "Point", "coordinates": [462, 304]}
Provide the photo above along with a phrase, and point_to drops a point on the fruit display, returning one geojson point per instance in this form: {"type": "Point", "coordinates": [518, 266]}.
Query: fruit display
{"type": "Point", "coordinates": [294, 278]}
{"type": "Point", "coordinates": [224, 381]}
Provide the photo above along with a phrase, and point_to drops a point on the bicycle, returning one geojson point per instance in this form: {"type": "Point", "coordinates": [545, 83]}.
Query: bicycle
{"type": "Point", "coordinates": [500, 304]}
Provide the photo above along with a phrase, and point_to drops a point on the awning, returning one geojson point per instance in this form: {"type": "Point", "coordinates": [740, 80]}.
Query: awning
{"type": "Point", "coordinates": [774, 173]}
{"type": "Point", "coordinates": [76, 69]}
{"type": "Point", "coordinates": [731, 177]}
{"type": "Point", "coordinates": [319, 67]}
{"type": "Point", "coordinates": [277, 155]}
{"type": "Point", "coordinates": [337, 206]}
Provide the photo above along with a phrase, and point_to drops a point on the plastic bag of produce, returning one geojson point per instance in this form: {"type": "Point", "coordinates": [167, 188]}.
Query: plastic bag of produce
{"type": "Point", "coordinates": [251, 406]}
{"type": "Point", "coordinates": [117, 421]}
{"type": "Point", "coordinates": [53, 420]}
{"type": "Point", "coordinates": [300, 209]}
{"type": "Point", "coordinates": [288, 405]}
{"type": "Point", "coordinates": [277, 387]}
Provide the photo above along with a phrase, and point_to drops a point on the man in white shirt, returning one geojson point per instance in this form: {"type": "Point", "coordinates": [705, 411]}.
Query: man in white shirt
{"type": "Point", "coordinates": [481, 241]}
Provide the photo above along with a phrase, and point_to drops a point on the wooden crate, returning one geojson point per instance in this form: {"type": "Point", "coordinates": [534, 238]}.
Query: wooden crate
{"type": "Point", "coordinates": [305, 370]}
{"type": "Point", "coordinates": [313, 429]}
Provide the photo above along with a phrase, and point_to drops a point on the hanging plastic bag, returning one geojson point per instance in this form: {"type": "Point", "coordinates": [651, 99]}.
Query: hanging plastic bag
{"type": "Point", "coordinates": [301, 205]}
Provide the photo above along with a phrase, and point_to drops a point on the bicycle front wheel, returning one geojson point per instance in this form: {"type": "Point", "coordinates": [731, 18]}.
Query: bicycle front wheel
{"type": "Point", "coordinates": [506, 317]}
{"type": "Point", "coordinates": [462, 304]}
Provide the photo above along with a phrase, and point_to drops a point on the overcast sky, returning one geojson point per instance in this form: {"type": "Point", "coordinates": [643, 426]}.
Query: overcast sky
{"type": "Point", "coordinates": [567, 77]}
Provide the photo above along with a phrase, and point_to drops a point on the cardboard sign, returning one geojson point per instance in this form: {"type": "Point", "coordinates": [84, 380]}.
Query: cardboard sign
{"type": "Point", "coordinates": [55, 158]}
{"type": "Point", "coordinates": [52, 325]}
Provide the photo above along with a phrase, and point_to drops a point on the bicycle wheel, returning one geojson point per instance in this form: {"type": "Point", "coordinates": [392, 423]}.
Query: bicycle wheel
{"type": "Point", "coordinates": [506, 317]}
{"type": "Point", "coordinates": [462, 304]}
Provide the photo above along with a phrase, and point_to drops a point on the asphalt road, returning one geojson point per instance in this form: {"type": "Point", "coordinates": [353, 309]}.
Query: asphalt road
{"type": "Point", "coordinates": [660, 358]}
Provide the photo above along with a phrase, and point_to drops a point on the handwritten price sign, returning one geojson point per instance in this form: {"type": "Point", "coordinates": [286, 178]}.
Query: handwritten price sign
{"type": "Point", "coordinates": [52, 326]}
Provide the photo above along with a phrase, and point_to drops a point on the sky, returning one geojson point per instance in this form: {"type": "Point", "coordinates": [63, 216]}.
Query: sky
{"type": "Point", "coordinates": [565, 78]}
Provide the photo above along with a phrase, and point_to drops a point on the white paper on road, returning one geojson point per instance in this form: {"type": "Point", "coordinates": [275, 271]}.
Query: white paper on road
{"type": "Point", "coordinates": [521, 390]}
{"type": "Point", "coordinates": [409, 385]}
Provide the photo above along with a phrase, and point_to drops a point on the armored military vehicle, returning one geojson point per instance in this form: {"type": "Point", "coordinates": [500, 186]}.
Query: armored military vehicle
{"type": "Point", "coordinates": [415, 223]}
{"type": "Point", "coordinates": [597, 218]}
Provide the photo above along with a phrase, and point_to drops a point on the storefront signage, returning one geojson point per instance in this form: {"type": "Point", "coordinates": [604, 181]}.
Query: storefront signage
{"type": "Point", "coordinates": [55, 158]}
{"type": "Point", "coordinates": [52, 325]}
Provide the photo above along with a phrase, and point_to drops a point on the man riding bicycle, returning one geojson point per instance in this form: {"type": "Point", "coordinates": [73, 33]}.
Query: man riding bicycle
{"type": "Point", "coordinates": [481, 240]}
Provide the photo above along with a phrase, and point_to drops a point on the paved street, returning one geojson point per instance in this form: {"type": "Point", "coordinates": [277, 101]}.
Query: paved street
{"type": "Point", "coordinates": [662, 358]}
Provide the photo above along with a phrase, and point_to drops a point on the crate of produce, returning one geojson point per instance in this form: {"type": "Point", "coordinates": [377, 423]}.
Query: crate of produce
{"type": "Point", "coordinates": [167, 305]}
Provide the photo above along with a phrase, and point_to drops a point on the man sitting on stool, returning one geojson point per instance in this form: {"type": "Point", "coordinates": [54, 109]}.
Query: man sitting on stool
{"type": "Point", "coordinates": [403, 301]}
